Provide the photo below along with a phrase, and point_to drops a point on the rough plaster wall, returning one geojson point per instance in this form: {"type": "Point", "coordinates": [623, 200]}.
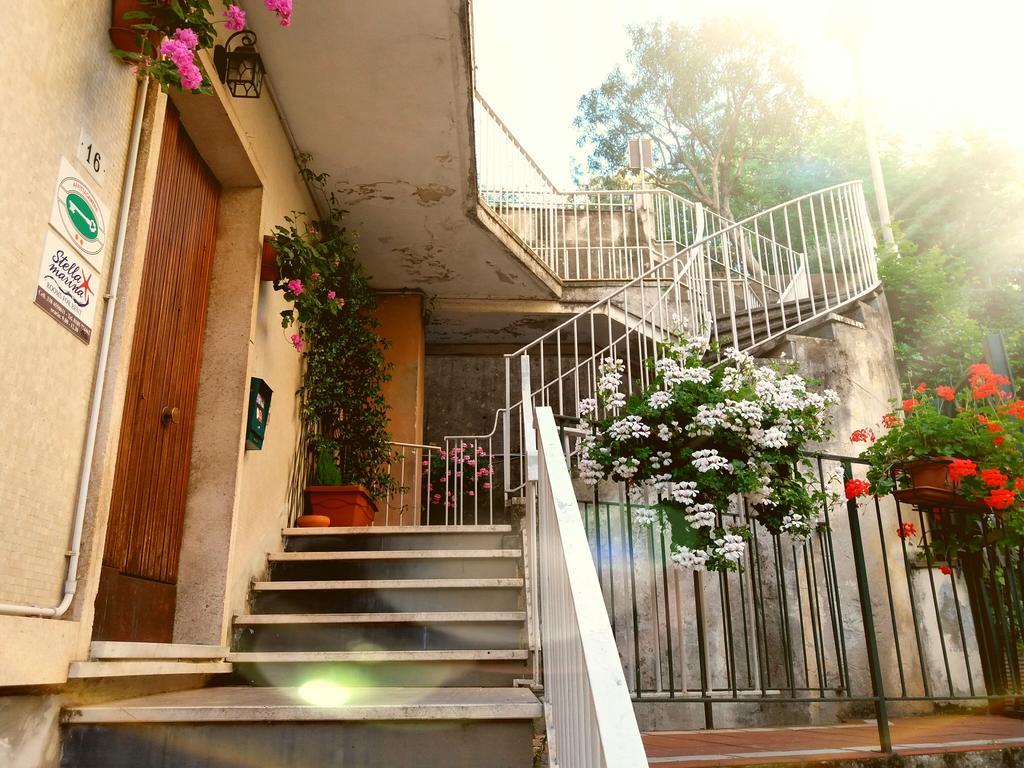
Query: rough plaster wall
{"type": "Point", "coordinates": [46, 379]}
{"type": "Point", "coordinates": [29, 735]}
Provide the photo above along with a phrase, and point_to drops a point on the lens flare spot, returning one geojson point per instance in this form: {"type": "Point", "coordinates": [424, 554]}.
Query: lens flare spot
{"type": "Point", "coordinates": [324, 693]}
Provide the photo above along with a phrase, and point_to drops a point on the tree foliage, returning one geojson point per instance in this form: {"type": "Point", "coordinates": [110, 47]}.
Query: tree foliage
{"type": "Point", "coordinates": [715, 99]}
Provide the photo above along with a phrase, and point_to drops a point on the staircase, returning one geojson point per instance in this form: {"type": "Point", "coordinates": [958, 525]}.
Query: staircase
{"type": "Point", "coordinates": [365, 647]}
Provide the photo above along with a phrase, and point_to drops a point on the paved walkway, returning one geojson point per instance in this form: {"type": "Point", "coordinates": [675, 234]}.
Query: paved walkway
{"type": "Point", "coordinates": [856, 741]}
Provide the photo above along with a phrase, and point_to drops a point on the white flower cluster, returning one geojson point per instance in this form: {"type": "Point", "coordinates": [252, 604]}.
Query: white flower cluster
{"type": "Point", "coordinates": [667, 431]}
{"type": "Point", "coordinates": [701, 516]}
{"type": "Point", "coordinates": [773, 437]}
{"type": "Point", "coordinates": [587, 407]}
{"type": "Point", "coordinates": [738, 416]}
{"type": "Point", "coordinates": [659, 399]}
{"type": "Point", "coordinates": [610, 381]}
{"type": "Point", "coordinates": [661, 459]}
{"type": "Point", "coordinates": [629, 427]}
{"type": "Point", "coordinates": [645, 516]}
{"type": "Point", "coordinates": [730, 546]}
{"type": "Point", "coordinates": [690, 558]}
{"type": "Point", "coordinates": [675, 373]}
{"type": "Point", "coordinates": [795, 527]}
{"type": "Point", "coordinates": [625, 468]}
{"type": "Point", "coordinates": [710, 460]}
{"type": "Point", "coordinates": [684, 492]}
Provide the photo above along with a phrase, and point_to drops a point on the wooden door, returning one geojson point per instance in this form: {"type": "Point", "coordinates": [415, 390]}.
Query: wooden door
{"type": "Point", "coordinates": [147, 508]}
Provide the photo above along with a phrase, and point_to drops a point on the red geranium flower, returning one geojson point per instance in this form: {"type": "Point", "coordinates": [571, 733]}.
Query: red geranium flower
{"type": "Point", "coordinates": [993, 478]}
{"type": "Point", "coordinates": [998, 440]}
{"type": "Point", "coordinates": [889, 420]}
{"type": "Point", "coordinates": [1000, 498]}
{"type": "Point", "coordinates": [946, 393]}
{"type": "Point", "coordinates": [910, 404]}
{"type": "Point", "coordinates": [856, 487]}
{"type": "Point", "coordinates": [905, 530]}
{"type": "Point", "coordinates": [1019, 483]}
{"type": "Point", "coordinates": [862, 435]}
{"type": "Point", "coordinates": [921, 387]}
{"type": "Point", "coordinates": [945, 570]}
{"type": "Point", "coordinates": [961, 468]}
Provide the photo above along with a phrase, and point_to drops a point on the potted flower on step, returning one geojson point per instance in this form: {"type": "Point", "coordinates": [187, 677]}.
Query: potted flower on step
{"type": "Point", "coordinates": [342, 403]}
{"type": "Point", "coordinates": [960, 454]}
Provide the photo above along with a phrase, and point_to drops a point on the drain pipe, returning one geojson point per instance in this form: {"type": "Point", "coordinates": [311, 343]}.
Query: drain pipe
{"type": "Point", "coordinates": [71, 581]}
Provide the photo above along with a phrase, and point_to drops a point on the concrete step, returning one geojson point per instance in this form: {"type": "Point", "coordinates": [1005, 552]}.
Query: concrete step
{"type": "Point", "coordinates": [428, 669]}
{"type": "Point", "coordinates": [233, 726]}
{"type": "Point", "coordinates": [372, 538]}
{"type": "Point", "coordinates": [105, 650]}
{"type": "Point", "coordinates": [396, 564]}
{"type": "Point", "coordinates": [387, 595]}
{"type": "Point", "coordinates": [427, 633]}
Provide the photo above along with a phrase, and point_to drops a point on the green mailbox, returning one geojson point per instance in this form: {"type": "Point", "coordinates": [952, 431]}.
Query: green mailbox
{"type": "Point", "coordinates": [259, 414]}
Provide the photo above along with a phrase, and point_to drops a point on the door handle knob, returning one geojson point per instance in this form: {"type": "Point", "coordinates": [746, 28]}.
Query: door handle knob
{"type": "Point", "coordinates": [170, 415]}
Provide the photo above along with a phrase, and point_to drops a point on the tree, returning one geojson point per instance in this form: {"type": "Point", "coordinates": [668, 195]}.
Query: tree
{"type": "Point", "coordinates": [715, 99]}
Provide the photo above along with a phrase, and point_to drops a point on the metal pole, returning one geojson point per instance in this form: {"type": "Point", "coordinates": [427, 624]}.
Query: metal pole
{"type": "Point", "coordinates": [864, 591]}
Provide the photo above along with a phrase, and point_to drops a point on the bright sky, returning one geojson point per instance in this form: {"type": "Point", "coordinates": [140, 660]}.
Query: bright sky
{"type": "Point", "coordinates": [932, 65]}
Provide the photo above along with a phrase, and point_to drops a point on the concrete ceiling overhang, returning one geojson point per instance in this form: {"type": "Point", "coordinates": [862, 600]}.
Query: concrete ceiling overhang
{"type": "Point", "coordinates": [380, 94]}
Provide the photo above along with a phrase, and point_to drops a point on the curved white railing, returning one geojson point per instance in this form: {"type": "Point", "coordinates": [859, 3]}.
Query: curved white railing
{"type": "Point", "coordinates": [742, 287]}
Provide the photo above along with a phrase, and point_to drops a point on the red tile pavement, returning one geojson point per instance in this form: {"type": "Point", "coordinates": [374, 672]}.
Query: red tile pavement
{"type": "Point", "coordinates": [853, 741]}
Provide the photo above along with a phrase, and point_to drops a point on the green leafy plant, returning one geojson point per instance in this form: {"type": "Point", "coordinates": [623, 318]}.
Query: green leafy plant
{"type": "Point", "coordinates": [697, 437]}
{"type": "Point", "coordinates": [977, 430]}
{"type": "Point", "coordinates": [343, 404]}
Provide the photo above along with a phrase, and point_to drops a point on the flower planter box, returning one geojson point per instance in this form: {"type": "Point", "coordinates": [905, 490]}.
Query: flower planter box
{"type": "Point", "coordinates": [268, 261]}
{"type": "Point", "coordinates": [344, 505]}
{"type": "Point", "coordinates": [122, 35]}
{"type": "Point", "coordinates": [931, 486]}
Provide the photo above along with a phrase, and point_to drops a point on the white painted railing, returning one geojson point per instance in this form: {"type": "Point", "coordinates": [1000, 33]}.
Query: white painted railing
{"type": "Point", "coordinates": [588, 712]}
{"type": "Point", "coordinates": [744, 286]}
{"type": "Point", "coordinates": [410, 502]}
{"type": "Point", "coordinates": [610, 235]}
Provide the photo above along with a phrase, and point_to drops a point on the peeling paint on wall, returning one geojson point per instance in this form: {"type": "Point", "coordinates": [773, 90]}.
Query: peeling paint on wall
{"type": "Point", "coordinates": [429, 194]}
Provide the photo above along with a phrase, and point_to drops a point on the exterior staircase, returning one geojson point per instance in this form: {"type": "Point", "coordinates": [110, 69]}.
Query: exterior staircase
{"type": "Point", "coordinates": [365, 647]}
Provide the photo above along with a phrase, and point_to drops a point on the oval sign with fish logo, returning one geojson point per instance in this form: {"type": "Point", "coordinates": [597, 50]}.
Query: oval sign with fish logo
{"type": "Point", "coordinates": [80, 214]}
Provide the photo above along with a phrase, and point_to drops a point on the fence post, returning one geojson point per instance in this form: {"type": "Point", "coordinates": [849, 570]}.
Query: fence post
{"type": "Point", "coordinates": [702, 649]}
{"type": "Point", "coordinates": [864, 591]}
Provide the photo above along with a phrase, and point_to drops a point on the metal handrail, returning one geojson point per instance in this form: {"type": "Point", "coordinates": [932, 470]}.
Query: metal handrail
{"type": "Point", "coordinates": [589, 715]}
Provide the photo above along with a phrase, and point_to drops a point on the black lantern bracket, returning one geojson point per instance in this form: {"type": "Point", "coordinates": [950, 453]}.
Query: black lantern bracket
{"type": "Point", "coordinates": [239, 66]}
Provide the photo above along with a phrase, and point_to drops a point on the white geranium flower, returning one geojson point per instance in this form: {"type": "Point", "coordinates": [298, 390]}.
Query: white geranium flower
{"type": "Point", "coordinates": [690, 558]}
{"type": "Point", "coordinates": [730, 547]}
{"type": "Point", "coordinates": [710, 461]}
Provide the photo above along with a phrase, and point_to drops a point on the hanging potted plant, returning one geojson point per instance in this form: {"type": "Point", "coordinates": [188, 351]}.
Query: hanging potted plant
{"type": "Point", "coordinates": [697, 437]}
{"type": "Point", "coordinates": [342, 402]}
{"type": "Point", "coordinates": [162, 38]}
{"type": "Point", "coordinates": [962, 452]}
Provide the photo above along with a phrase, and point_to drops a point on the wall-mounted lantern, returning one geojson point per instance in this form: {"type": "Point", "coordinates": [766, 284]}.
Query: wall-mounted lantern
{"type": "Point", "coordinates": [240, 66]}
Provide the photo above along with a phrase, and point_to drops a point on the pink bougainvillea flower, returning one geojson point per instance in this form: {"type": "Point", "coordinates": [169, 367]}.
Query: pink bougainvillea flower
{"type": "Point", "coordinates": [297, 342]}
{"type": "Point", "coordinates": [295, 286]}
{"type": "Point", "coordinates": [235, 18]}
{"type": "Point", "coordinates": [961, 468]}
{"type": "Point", "coordinates": [341, 303]}
{"type": "Point", "coordinates": [487, 486]}
{"type": "Point", "coordinates": [471, 462]}
{"type": "Point", "coordinates": [331, 294]}
{"type": "Point", "coordinates": [283, 9]}
{"type": "Point", "coordinates": [187, 37]}
{"type": "Point", "coordinates": [470, 493]}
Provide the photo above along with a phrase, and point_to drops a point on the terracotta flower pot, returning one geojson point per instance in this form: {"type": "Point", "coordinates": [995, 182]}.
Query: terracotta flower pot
{"type": "Point", "coordinates": [122, 35]}
{"type": "Point", "coordinates": [931, 486]}
{"type": "Point", "coordinates": [268, 261]}
{"type": "Point", "coordinates": [343, 505]}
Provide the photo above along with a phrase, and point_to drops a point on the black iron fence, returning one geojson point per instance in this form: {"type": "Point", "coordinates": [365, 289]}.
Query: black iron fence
{"type": "Point", "coordinates": [860, 615]}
